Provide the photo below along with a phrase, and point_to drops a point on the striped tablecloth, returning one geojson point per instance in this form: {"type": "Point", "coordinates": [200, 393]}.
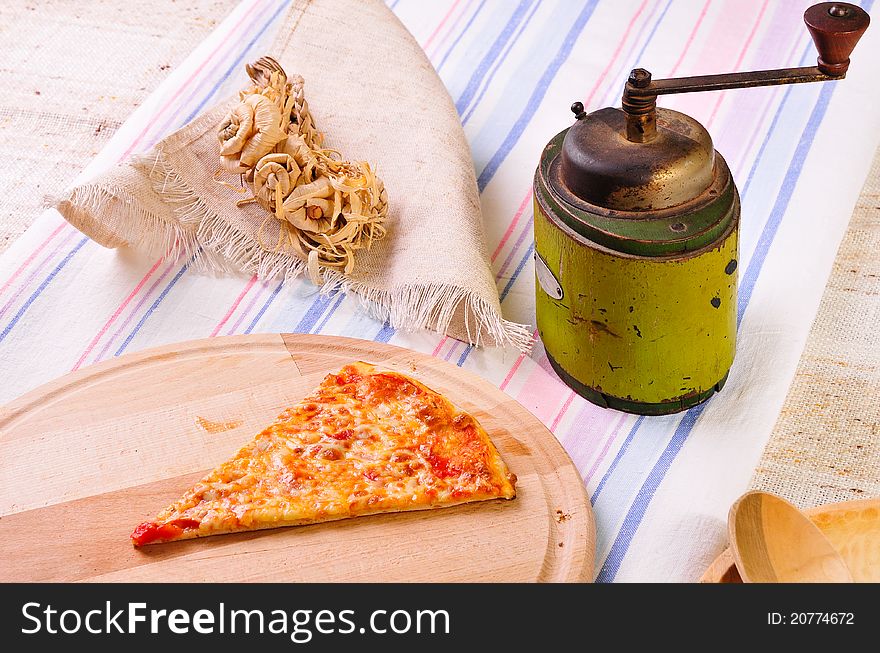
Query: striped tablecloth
{"type": "Point", "coordinates": [660, 486]}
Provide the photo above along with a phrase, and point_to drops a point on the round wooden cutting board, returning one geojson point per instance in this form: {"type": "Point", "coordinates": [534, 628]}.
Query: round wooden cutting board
{"type": "Point", "coordinates": [85, 458]}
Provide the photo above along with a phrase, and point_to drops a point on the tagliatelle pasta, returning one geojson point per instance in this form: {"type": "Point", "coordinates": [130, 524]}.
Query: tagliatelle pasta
{"type": "Point", "coordinates": [328, 208]}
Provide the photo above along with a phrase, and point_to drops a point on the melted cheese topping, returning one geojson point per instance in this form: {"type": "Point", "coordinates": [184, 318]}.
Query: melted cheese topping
{"type": "Point", "coordinates": [366, 441]}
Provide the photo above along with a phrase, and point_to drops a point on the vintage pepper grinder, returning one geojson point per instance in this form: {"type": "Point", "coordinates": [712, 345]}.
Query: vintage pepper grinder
{"type": "Point", "coordinates": [636, 237]}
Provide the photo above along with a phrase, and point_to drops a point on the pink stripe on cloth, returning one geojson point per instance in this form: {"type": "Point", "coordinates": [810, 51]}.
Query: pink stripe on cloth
{"type": "Point", "coordinates": [452, 28]}
{"type": "Point", "coordinates": [439, 346]}
{"type": "Point", "coordinates": [440, 25]}
{"type": "Point", "coordinates": [562, 410]}
{"type": "Point", "coordinates": [511, 255]}
{"type": "Point", "coordinates": [39, 268]}
{"type": "Point", "coordinates": [616, 55]}
{"type": "Point", "coordinates": [510, 228]}
{"type": "Point", "coordinates": [723, 38]}
{"type": "Point", "coordinates": [516, 365]}
{"type": "Point", "coordinates": [32, 256]}
{"type": "Point", "coordinates": [264, 288]}
{"type": "Point", "coordinates": [583, 438]}
{"type": "Point", "coordinates": [210, 78]}
{"type": "Point", "coordinates": [690, 39]}
{"type": "Point", "coordinates": [525, 201]}
{"type": "Point", "coordinates": [134, 311]}
{"type": "Point", "coordinates": [115, 315]}
{"type": "Point", "coordinates": [543, 395]}
{"type": "Point", "coordinates": [245, 291]}
{"type": "Point", "coordinates": [781, 28]}
{"type": "Point", "coordinates": [605, 448]}
{"type": "Point", "coordinates": [182, 87]}
{"type": "Point", "coordinates": [739, 60]}
{"type": "Point", "coordinates": [649, 25]}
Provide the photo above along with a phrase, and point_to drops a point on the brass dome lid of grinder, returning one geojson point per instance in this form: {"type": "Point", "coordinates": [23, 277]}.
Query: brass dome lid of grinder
{"type": "Point", "coordinates": [708, 210]}
{"type": "Point", "coordinates": [640, 162]}
{"type": "Point", "coordinates": [601, 166]}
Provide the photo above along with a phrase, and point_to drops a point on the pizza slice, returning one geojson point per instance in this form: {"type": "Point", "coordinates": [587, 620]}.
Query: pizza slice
{"type": "Point", "coordinates": [366, 441]}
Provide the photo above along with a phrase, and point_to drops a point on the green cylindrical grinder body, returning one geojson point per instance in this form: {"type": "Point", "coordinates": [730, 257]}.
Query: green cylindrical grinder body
{"type": "Point", "coordinates": [636, 256]}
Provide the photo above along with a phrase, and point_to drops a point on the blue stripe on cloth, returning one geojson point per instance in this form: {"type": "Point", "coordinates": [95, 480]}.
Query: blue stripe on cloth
{"type": "Point", "coordinates": [461, 34]}
{"type": "Point", "coordinates": [808, 52]}
{"type": "Point", "coordinates": [330, 312]}
{"type": "Point", "coordinates": [311, 317]}
{"type": "Point", "coordinates": [537, 96]}
{"type": "Point", "coordinates": [41, 288]}
{"type": "Point", "coordinates": [650, 38]}
{"type": "Point", "coordinates": [617, 458]}
{"type": "Point", "coordinates": [519, 268]}
{"type": "Point", "coordinates": [235, 64]}
{"type": "Point", "coordinates": [767, 137]}
{"type": "Point", "coordinates": [612, 96]}
{"type": "Point", "coordinates": [634, 62]}
{"type": "Point", "coordinates": [748, 280]}
{"type": "Point", "coordinates": [646, 493]}
{"type": "Point", "coordinates": [154, 305]}
{"type": "Point", "coordinates": [262, 310]}
{"type": "Point", "coordinates": [385, 333]}
{"type": "Point", "coordinates": [490, 56]}
{"type": "Point", "coordinates": [498, 64]}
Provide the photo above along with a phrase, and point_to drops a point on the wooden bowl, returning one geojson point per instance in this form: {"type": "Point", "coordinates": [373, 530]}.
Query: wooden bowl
{"type": "Point", "coordinates": [853, 528]}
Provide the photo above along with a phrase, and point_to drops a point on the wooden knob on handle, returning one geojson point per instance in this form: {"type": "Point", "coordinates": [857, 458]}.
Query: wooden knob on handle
{"type": "Point", "coordinates": [836, 27]}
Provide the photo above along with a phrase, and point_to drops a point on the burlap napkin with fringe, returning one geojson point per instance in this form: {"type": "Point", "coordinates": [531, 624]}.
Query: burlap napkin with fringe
{"type": "Point", "coordinates": [377, 98]}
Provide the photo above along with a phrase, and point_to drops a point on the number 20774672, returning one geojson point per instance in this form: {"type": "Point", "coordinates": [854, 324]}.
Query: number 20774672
{"type": "Point", "coordinates": [807, 618]}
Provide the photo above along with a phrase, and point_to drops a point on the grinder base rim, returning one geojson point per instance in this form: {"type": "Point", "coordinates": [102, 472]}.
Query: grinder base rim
{"type": "Point", "coordinates": [630, 406]}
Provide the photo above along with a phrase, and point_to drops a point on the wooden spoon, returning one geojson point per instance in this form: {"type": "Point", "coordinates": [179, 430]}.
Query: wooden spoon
{"type": "Point", "coordinates": [774, 542]}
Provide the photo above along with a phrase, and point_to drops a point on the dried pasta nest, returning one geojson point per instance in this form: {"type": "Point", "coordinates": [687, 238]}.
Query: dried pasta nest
{"type": "Point", "coordinates": [328, 208]}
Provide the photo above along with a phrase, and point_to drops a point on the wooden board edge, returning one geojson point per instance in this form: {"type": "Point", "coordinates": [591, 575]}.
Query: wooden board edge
{"type": "Point", "coordinates": [59, 386]}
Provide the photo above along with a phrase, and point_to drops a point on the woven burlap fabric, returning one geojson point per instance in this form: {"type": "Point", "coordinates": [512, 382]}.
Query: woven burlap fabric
{"type": "Point", "coordinates": [71, 72]}
{"type": "Point", "coordinates": [375, 95]}
{"type": "Point", "coordinates": [825, 446]}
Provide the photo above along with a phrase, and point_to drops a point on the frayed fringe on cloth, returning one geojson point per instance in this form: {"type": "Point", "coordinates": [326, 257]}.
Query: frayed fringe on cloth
{"type": "Point", "coordinates": [214, 245]}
